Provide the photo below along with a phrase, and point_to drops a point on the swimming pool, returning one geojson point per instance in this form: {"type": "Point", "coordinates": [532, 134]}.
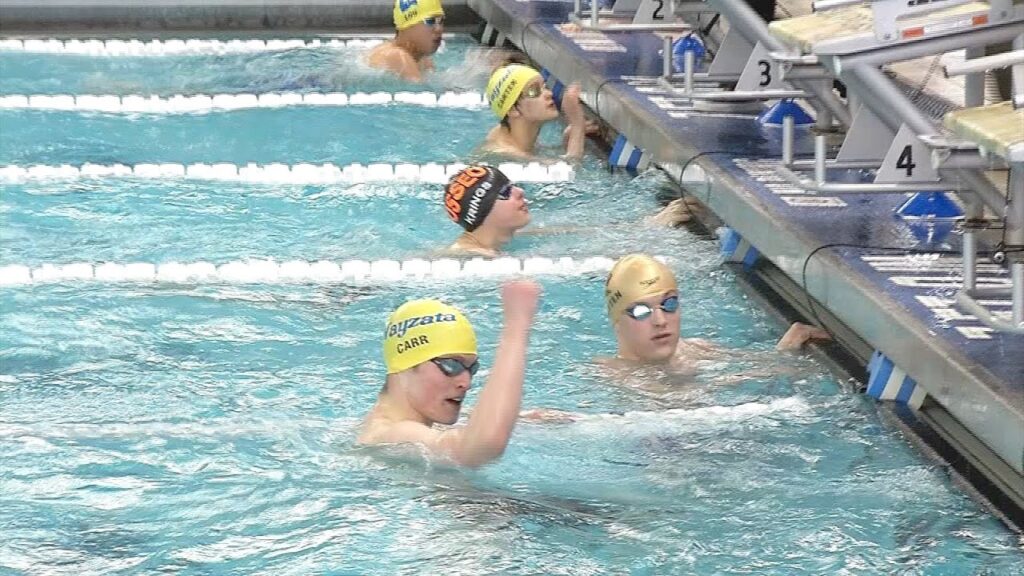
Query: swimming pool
{"type": "Point", "coordinates": [207, 427]}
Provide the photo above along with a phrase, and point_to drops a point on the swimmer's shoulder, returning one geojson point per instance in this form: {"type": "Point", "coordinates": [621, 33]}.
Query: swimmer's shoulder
{"type": "Point", "coordinates": [395, 59]}
{"type": "Point", "coordinates": [381, 431]}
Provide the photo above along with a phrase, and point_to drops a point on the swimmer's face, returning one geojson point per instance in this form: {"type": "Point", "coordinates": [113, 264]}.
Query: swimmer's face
{"type": "Point", "coordinates": [437, 396]}
{"type": "Point", "coordinates": [535, 103]}
{"type": "Point", "coordinates": [512, 213]}
{"type": "Point", "coordinates": [426, 37]}
{"type": "Point", "coordinates": [651, 339]}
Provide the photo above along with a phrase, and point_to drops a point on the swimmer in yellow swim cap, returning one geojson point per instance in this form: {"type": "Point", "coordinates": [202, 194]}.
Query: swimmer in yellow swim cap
{"type": "Point", "coordinates": [431, 356]}
{"type": "Point", "coordinates": [518, 97]}
{"type": "Point", "coordinates": [643, 304]}
{"type": "Point", "coordinates": [419, 25]}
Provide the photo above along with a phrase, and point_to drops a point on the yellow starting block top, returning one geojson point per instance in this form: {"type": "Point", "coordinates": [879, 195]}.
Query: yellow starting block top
{"type": "Point", "coordinates": [855, 23]}
{"type": "Point", "coordinates": [998, 128]}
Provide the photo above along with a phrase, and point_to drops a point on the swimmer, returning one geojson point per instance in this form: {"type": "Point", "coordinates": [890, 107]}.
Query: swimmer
{"type": "Point", "coordinates": [488, 207]}
{"type": "Point", "coordinates": [642, 299]}
{"type": "Point", "coordinates": [492, 210]}
{"type": "Point", "coordinates": [419, 25]}
{"type": "Point", "coordinates": [643, 304]}
{"type": "Point", "coordinates": [518, 97]}
{"type": "Point", "coordinates": [431, 356]}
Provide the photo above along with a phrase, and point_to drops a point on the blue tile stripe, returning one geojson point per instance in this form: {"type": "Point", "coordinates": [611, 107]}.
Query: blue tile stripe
{"type": "Point", "coordinates": [625, 155]}
{"type": "Point", "coordinates": [887, 381]}
{"type": "Point", "coordinates": [736, 249]}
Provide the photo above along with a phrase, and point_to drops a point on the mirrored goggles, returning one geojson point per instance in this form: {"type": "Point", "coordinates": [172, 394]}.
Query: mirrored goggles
{"type": "Point", "coordinates": [533, 90]}
{"type": "Point", "coordinates": [641, 311]}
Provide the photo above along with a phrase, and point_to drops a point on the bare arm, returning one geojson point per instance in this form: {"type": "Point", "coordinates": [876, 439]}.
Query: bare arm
{"type": "Point", "coordinates": [576, 132]}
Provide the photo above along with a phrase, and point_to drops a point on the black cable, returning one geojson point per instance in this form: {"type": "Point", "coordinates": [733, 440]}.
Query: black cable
{"type": "Point", "coordinates": [707, 29]}
{"type": "Point", "coordinates": [905, 250]}
{"type": "Point", "coordinates": [597, 93]}
{"type": "Point", "coordinates": [522, 34]}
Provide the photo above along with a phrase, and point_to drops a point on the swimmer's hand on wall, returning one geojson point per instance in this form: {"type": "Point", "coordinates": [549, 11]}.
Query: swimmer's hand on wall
{"type": "Point", "coordinates": [678, 212]}
{"type": "Point", "coordinates": [799, 334]}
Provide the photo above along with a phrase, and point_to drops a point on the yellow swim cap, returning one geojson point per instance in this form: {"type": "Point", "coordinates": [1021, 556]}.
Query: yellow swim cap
{"type": "Point", "coordinates": [411, 12]}
{"type": "Point", "coordinates": [423, 329]}
{"type": "Point", "coordinates": [505, 86]}
{"type": "Point", "coordinates": [633, 278]}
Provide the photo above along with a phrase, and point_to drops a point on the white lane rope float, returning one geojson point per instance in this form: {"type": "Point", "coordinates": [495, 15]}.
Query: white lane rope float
{"type": "Point", "coordinates": [176, 47]}
{"type": "Point", "coordinates": [277, 173]}
{"type": "Point", "coordinates": [198, 103]}
{"type": "Point", "coordinates": [264, 271]}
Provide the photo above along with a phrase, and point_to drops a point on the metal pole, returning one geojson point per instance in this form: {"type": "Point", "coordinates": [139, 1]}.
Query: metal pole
{"type": "Point", "coordinates": [689, 63]}
{"type": "Point", "coordinates": [819, 159]}
{"type": "Point", "coordinates": [995, 34]}
{"type": "Point", "coordinates": [981, 63]}
{"type": "Point", "coordinates": [1015, 206]}
{"type": "Point", "coordinates": [1017, 76]}
{"type": "Point", "coordinates": [787, 140]}
{"type": "Point", "coordinates": [1017, 274]}
{"type": "Point", "coordinates": [970, 251]}
{"type": "Point", "coordinates": [824, 118]}
{"type": "Point", "coordinates": [666, 61]}
{"type": "Point", "coordinates": [974, 83]}
{"type": "Point", "coordinates": [875, 87]}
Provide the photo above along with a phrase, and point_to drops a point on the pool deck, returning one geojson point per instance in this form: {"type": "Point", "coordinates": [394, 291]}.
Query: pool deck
{"type": "Point", "coordinates": [900, 306]}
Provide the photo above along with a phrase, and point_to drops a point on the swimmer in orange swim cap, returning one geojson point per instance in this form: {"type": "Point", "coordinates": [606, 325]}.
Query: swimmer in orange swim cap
{"type": "Point", "coordinates": [643, 305]}
{"type": "Point", "coordinates": [419, 26]}
{"type": "Point", "coordinates": [431, 356]}
{"type": "Point", "coordinates": [518, 97]}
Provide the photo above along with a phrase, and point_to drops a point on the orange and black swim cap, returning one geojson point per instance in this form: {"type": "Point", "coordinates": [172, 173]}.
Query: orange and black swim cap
{"type": "Point", "coordinates": [470, 194]}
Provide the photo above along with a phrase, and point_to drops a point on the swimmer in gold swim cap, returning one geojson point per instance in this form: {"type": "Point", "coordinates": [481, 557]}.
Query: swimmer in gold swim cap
{"type": "Point", "coordinates": [518, 97]}
{"type": "Point", "coordinates": [431, 356]}
{"type": "Point", "coordinates": [643, 304]}
{"type": "Point", "coordinates": [419, 25]}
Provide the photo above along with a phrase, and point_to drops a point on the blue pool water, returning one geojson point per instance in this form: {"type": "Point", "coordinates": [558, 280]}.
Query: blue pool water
{"type": "Point", "coordinates": [209, 428]}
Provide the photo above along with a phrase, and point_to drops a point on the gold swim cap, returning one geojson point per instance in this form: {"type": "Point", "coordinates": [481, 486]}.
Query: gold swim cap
{"type": "Point", "coordinates": [633, 278]}
{"type": "Point", "coordinates": [505, 86]}
{"type": "Point", "coordinates": [423, 329]}
{"type": "Point", "coordinates": [411, 12]}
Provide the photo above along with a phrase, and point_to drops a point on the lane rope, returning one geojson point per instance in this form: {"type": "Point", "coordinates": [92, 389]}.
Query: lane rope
{"type": "Point", "coordinates": [279, 173]}
{"type": "Point", "coordinates": [174, 47]}
{"type": "Point", "coordinates": [268, 271]}
{"type": "Point", "coordinates": [197, 103]}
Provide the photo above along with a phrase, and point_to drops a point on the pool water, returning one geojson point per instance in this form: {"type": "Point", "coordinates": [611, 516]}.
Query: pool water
{"type": "Point", "coordinates": [209, 428]}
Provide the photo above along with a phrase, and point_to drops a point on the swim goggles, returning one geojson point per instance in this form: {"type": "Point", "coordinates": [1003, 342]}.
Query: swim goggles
{"type": "Point", "coordinates": [434, 21]}
{"type": "Point", "coordinates": [452, 367]}
{"type": "Point", "coordinates": [533, 91]}
{"type": "Point", "coordinates": [641, 311]}
{"type": "Point", "coordinates": [506, 192]}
